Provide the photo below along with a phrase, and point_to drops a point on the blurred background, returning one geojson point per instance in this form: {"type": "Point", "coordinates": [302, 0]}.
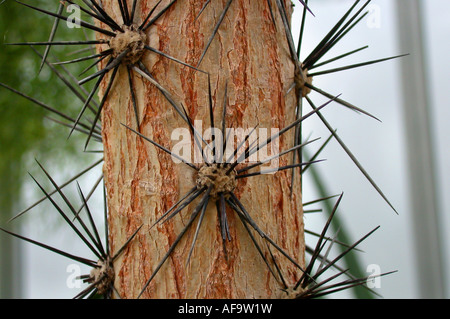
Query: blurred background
{"type": "Point", "coordinates": [406, 153]}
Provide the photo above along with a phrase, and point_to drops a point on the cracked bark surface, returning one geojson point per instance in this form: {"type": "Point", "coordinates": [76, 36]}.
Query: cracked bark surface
{"type": "Point", "coordinates": [143, 182]}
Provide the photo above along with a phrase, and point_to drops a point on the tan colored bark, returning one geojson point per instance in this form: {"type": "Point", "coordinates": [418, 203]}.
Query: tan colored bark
{"type": "Point", "coordinates": [142, 182]}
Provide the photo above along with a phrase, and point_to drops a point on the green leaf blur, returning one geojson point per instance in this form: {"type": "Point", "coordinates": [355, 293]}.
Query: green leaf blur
{"type": "Point", "coordinates": [25, 133]}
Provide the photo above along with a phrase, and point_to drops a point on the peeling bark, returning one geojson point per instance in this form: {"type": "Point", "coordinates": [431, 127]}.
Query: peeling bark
{"type": "Point", "coordinates": [143, 182]}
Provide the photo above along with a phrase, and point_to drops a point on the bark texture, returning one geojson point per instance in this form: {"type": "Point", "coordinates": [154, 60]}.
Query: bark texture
{"type": "Point", "coordinates": [143, 182]}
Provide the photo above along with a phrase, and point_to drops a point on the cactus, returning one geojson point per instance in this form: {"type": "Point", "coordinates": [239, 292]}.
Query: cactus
{"type": "Point", "coordinates": [190, 101]}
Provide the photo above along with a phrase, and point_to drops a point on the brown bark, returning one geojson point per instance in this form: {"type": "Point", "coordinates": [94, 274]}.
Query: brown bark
{"type": "Point", "coordinates": [143, 182]}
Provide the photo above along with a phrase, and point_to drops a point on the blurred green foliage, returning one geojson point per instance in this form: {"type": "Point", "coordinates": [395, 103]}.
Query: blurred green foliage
{"type": "Point", "coordinates": [25, 133]}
